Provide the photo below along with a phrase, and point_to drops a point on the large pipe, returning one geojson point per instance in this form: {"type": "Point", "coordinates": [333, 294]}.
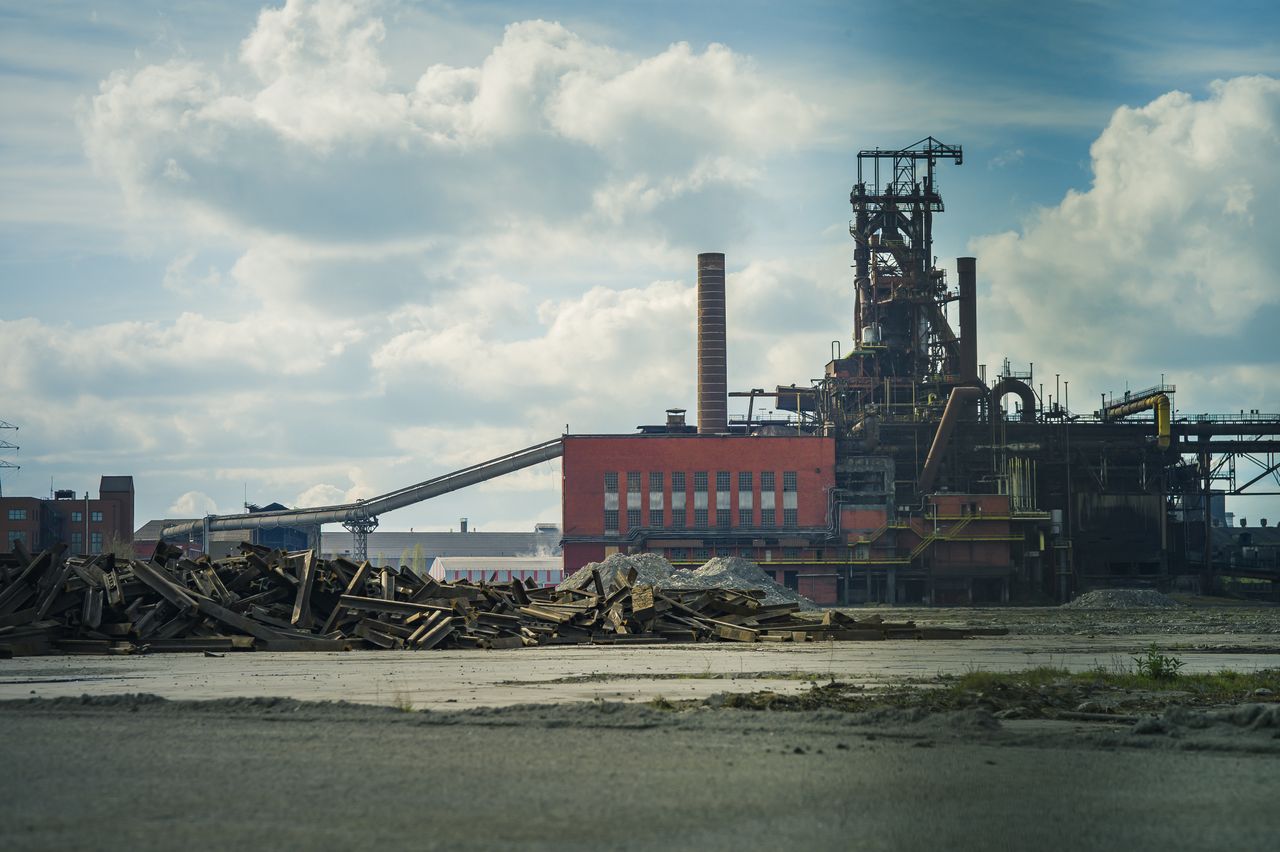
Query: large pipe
{"type": "Point", "coordinates": [713, 382]}
{"type": "Point", "coordinates": [390, 501]}
{"type": "Point", "coordinates": [959, 398]}
{"type": "Point", "coordinates": [1007, 386]}
{"type": "Point", "coordinates": [1159, 403]}
{"type": "Point", "coordinates": [967, 267]}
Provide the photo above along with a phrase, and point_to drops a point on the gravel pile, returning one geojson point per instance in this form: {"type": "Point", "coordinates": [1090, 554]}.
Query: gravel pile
{"type": "Point", "coordinates": [651, 569]}
{"type": "Point", "coordinates": [732, 572]}
{"type": "Point", "coordinates": [722, 572]}
{"type": "Point", "coordinates": [1123, 599]}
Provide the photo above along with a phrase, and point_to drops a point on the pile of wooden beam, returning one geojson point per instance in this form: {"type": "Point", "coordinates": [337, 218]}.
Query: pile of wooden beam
{"type": "Point", "coordinates": [292, 601]}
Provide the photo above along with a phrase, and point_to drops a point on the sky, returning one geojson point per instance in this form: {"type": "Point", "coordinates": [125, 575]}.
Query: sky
{"type": "Point", "coordinates": [313, 251]}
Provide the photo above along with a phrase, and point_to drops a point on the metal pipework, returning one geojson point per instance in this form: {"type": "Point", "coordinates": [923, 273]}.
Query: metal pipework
{"type": "Point", "coordinates": [713, 382]}
{"type": "Point", "coordinates": [959, 398]}
{"type": "Point", "coordinates": [366, 509]}
{"type": "Point", "coordinates": [1159, 403]}
{"type": "Point", "coordinates": [967, 267]}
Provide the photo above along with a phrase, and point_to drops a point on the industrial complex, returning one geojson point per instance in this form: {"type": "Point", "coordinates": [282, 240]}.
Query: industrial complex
{"type": "Point", "coordinates": [906, 473]}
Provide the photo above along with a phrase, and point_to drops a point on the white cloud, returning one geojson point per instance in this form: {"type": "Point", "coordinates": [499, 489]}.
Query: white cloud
{"type": "Point", "coordinates": [1166, 264]}
{"type": "Point", "coordinates": [315, 142]}
{"type": "Point", "coordinates": [193, 504]}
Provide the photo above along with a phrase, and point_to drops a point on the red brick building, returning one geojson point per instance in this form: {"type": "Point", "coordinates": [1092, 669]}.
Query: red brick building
{"type": "Point", "coordinates": [772, 500]}
{"type": "Point", "coordinates": [85, 525]}
{"type": "Point", "coordinates": [691, 497]}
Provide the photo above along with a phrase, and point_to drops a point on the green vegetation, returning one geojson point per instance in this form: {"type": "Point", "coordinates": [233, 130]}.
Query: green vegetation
{"type": "Point", "coordinates": [1044, 691]}
{"type": "Point", "coordinates": [1156, 665]}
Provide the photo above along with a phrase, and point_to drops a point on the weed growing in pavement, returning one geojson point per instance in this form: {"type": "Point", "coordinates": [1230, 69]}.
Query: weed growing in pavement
{"type": "Point", "coordinates": [403, 702]}
{"type": "Point", "coordinates": [1156, 665]}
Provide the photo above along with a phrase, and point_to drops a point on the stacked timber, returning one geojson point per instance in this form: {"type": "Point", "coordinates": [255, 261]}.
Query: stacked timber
{"type": "Point", "coordinates": [293, 601]}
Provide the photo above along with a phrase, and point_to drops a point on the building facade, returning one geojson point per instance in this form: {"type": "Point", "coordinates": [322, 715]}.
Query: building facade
{"type": "Point", "coordinates": [691, 497]}
{"type": "Point", "coordinates": [87, 526]}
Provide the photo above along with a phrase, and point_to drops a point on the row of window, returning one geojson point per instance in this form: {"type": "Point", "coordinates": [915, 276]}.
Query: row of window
{"type": "Point", "coordinates": [702, 504]}
{"type": "Point", "coordinates": [76, 517]}
{"type": "Point", "coordinates": [677, 554]}
{"type": "Point", "coordinates": [77, 541]}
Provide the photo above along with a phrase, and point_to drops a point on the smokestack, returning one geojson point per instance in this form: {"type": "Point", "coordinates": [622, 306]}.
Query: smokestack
{"type": "Point", "coordinates": [967, 267]}
{"type": "Point", "coordinates": [462, 525]}
{"type": "Point", "coordinates": [713, 383]}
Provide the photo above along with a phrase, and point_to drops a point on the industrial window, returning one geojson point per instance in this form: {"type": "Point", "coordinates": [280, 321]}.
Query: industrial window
{"type": "Point", "coordinates": [17, 514]}
{"type": "Point", "coordinates": [767, 499]}
{"type": "Point", "coordinates": [790, 515]}
{"type": "Point", "coordinates": [655, 500]}
{"type": "Point", "coordinates": [701, 553]}
{"type": "Point", "coordinates": [77, 517]}
{"type": "Point", "coordinates": [16, 535]}
{"type": "Point", "coordinates": [633, 500]}
{"type": "Point", "coordinates": [700, 499]}
{"type": "Point", "coordinates": [724, 551]}
{"type": "Point", "coordinates": [611, 503]}
{"type": "Point", "coordinates": [678, 515]}
{"type": "Point", "coordinates": [96, 517]}
{"type": "Point", "coordinates": [722, 498]}
{"type": "Point", "coordinates": [95, 542]}
{"type": "Point", "coordinates": [678, 553]}
{"type": "Point", "coordinates": [790, 553]}
{"type": "Point", "coordinates": [77, 542]}
{"type": "Point", "coordinates": [744, 499]}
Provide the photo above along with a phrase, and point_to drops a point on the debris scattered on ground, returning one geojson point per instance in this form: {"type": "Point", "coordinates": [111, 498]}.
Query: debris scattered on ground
{"type": "Point", "coordinates": [651, 569]}
{"type": "Point", "coordinates": [292, 601]}
{"type": "Point", "coordinates": [1123, 599]}
{"type": "Point", "coordinates": [722, 572]}
{"type": "Point", "coordinates": [734, 572]}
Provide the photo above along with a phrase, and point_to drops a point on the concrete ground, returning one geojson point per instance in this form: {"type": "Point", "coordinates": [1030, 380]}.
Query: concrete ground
{"type": "Point", "coordinates": [436, 751]}
{"type": "Point", "coordinates": [147, 775]}
{"type": "Point", "coordinates": [460, 679]}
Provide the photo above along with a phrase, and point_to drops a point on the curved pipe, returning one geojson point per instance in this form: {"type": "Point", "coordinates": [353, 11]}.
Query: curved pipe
{"type": "Point", "coordinates": [1004, 387]}
{"type": "Point", "coordinates": [1159, 403]}
{"type": "Point", "coordinates": [955, 403]}
{"type": "Point", "coordinates": [376, 506]}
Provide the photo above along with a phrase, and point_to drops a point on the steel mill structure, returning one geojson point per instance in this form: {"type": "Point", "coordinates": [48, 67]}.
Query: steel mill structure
{"type": "Point", "coordinates": [899, 475]}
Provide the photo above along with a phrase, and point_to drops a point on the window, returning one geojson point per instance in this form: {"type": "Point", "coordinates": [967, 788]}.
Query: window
{"type": "Point", "coordinates": [744, 499]}
{"type": "Point", "coordinates": [77, 543]}
{"type": "Point", "coordinates": [95, 542]}
{"type": "Point", "coordinates": [678, 553]}
{"type": "Point", "coordinates": [611, 504]}
{"type": "Point", "coordinates": [767, 498]}
{"type": "Point", "coordinates": [633, 500]}
{"type": "Point", "coordinates": [17, 514]}
{"type": "Point", "coordinates": [702, 553]}
{"type": "Point", "coordinates": [722, 498]}
{"type": "Point", "coordinates": [789, 507]}
{"type": "Point", "coordinates": [77, 517]}
{"type": "Point", "coordinates": [700, 499]}
{"type": "Point", "coordinates": [678, 513]}
{"type": "Point", "coordinates": [95, 517]}
{"type": "Point", "coordinates": [655, 500]}
{"type": "Point", "coordinates": [16, 535]}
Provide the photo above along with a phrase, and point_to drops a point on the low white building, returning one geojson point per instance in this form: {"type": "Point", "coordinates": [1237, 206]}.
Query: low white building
{"type": "Point", "coordinates": [543, 570]}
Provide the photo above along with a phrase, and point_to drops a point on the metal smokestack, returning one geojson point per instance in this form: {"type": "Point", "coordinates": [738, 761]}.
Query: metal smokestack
{"type": "Point", "coordinates": [713, 382]}
{"type": "Point", "coordinates": [967, 267]}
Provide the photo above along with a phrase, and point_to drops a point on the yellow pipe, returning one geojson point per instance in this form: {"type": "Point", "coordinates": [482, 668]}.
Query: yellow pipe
{"type": "Point", "coordinates": [1156, 402]}
{"type": "Point", "coordinates": [1162, 422]}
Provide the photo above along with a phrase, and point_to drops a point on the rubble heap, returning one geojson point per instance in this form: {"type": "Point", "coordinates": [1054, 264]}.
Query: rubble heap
{"type": "Point", "coordinates": [1123, 599]}
{"type": "Point", "coordinates": [292, 601]}
{"type": "Point", "coordinates": [722, 572]}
